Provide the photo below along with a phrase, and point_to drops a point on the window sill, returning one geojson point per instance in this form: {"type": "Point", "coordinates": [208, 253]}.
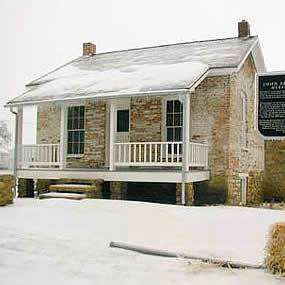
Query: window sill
{"type": "Point", "coordinates": [74, 155]}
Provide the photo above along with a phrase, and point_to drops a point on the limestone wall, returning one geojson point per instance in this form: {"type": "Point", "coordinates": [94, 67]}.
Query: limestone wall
{"type": "Point", "coordinates": [146, 119]}
{"type": "Point", "coordinates": [246, 146]}
{"type": "Point", "coordinates": [48, 131]}
{"type": "Point", "coordinates": [274, 178]}
{"type": "Point", "coordinates": [216, 117]}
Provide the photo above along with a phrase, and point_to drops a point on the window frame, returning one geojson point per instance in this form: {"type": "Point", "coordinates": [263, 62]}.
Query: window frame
{"type": "Point", "coordinates": [68, 130]}
{"type": "Point", "coordinates": [166, 127]}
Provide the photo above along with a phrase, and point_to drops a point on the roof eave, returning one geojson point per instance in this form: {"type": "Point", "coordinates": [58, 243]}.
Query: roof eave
{"type": "Point", "coordinates": [257, 56]}
{"type": "Point", "coordinates": [100, 97]}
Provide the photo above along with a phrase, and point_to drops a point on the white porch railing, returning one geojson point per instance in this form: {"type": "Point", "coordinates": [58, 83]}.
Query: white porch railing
{"type": "Point", "coordinates": [40, 155]}
{"type": "Point", "coordinates": [198, 154]}
{"type": "Point", "coordinates": [159, 154]}
{"type": "Point", "coordinates": [143, 154]}
{"type": "Point", "coordinates": [6, 160]}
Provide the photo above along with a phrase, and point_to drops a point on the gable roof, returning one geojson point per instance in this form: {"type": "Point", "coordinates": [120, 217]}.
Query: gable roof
{"type": "Point", "coordinates": [143, 70]}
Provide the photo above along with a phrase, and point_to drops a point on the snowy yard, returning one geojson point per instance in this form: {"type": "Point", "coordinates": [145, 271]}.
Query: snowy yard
{"type": "Point", "coordinates": [66, 242]}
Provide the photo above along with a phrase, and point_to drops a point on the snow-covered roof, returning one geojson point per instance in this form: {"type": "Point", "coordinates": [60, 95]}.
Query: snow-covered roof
{"type": "Point", "coordinates": [152, 69]}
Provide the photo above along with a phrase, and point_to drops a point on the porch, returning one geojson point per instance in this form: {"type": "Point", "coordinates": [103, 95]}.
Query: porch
{"type": "Point", "coordinates": [141, 155]}
{"type": "Point", "coordinates": [120, 141]}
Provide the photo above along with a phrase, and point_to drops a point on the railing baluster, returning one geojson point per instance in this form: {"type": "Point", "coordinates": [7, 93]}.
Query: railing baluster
{"type": "Point", "coordinates": [166, 155]}
{"type": "Point", "coordinates": [172, 151]}
{"type": "Point", "coordinates": [144, 148]}
{"type": "Point", "coordinates": [140, 152]}
{"type": "Point", "coordinates": [119, 152]}
{"type": "Point", "coordinates": [130, 149]}
{"type": "Point", "coordinates": [125, 153]}
{"type": "Point", "coordinates": [155, 152]}
{"type": "Point", "coordinates": [135, 153]}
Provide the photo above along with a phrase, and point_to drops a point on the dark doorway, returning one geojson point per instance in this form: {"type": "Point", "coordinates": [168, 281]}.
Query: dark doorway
{"type": "Point", "coordinates": [106, 193]}
{"type": "Point", "coordinates": [30, 188]}
{"type": "Point", "coordinates": [164, 193]}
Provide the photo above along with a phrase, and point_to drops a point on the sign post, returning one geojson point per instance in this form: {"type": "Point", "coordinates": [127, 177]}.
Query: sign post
{"type": "Point", "coordinates": [271, 105]}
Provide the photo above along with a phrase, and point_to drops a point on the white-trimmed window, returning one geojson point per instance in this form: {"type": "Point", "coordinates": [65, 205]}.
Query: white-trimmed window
{"type": "Point", "coordinates": [174, 120]}
{"type": "Point", "coordinates": [75, 130]}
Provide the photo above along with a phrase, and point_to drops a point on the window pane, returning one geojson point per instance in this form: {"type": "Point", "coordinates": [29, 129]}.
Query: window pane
{"type": "Point", "coordinates": [178, 134]}
{"type": "Point", "coordinates": [69, 148]}
{"type": "Point", "coordinates": [70, 111]}
{"type": "Point", "coordinates": [82, 109]}
{"type": "Point", "coordinates": [169, 120]}
{"type": "Point", "coordinates": [122, 120]}
{"type": "Point", "coordinates": [81, 148]}
{"type": "Point", "coordinates": [69, 137]}
{"type": "Point", "coordinates": [177, 120]}
{"type": "Point", "coordinates": [69, 124]}
{"type": "Point", "coordinates": [81, 123]}
{"type": "Point", "coordinates": [169, 107]}
{"type": "Point", "coordinates": [177, 106]}
{"type": "Point", "coordinates": [75, 148]}
{"type": "Point", "coordinates": [76, 136]}
{"type": "Point", "coordinates": [169, 134]}
{"type": "Point", "coordinates": [76, 111]}
{"type": "Point", "coordinates": [75, 123]}
{"type": "Point", "coordinates": [81, 136]}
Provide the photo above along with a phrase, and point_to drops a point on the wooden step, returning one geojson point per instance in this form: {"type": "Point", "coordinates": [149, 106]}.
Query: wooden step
{"type": "Point", "coordinates": [72, 188]}
{"type": "Point", "coordinates": [70, 196]}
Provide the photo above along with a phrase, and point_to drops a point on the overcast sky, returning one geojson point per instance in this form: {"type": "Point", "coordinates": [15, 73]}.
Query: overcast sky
{"type": "Point", "coordinates": [39, 35]}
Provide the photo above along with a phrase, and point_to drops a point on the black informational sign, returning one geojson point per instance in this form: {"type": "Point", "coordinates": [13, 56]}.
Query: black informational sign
{"type": "Point", "coordinates": [271, 105]}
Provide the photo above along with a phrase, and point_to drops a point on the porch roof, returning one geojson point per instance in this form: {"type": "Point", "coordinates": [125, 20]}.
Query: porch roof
{"type": "Point", "coordinates": [145, 70]}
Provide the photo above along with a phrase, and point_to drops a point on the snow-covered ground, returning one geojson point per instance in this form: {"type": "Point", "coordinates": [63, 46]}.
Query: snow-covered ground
{"type": "Point", "coordinates": [58, 241]}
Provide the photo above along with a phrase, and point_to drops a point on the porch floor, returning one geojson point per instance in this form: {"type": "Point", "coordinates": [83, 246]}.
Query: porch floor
{"type": "Point", "coordinates": [120, 174]}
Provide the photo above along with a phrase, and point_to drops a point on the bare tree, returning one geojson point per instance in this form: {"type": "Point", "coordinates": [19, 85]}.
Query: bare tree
{"type": "Point", "coordinates": [5, 137]}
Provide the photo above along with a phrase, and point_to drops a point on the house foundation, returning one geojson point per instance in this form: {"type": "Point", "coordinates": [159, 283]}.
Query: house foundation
{"type": "Point", "coordinates": [25, 188]}
{"type": "Point", "coordinates": [42, 186]}
{"type": "Point", "coordinates": [255, 188]}
{"type": "Point", "coordinates": [118, 190]}
{"type": "Point", "coordinates": [189, 194]}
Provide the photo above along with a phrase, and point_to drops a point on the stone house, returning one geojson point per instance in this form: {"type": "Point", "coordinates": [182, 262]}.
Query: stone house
{"type": "Point", "coordinates": [175, 120]}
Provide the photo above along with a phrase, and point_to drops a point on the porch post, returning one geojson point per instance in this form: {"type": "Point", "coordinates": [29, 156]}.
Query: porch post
{"type": "Point", "coordinates": [63, 140]}
{"type": "Point", "coordinates": [186, 129]}
{"type": "Point", "coordinates": [112, 136]}
{"type": "Point", "coordinates": [18, 151]}
{"type": "Point", "coordinates": [186, 142]}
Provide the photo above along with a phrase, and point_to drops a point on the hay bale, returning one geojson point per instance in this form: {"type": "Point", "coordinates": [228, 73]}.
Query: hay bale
{"type": "Point", "coordinates": [275, 255]}
{"type": "Point", "coordinates": [6, 193]}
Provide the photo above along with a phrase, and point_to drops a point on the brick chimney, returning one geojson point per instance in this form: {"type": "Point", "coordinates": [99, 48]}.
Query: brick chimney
{"type": "Point", "coordinates": [89, 49]}
{"type": "Point", "coordinates": [243, 29]}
